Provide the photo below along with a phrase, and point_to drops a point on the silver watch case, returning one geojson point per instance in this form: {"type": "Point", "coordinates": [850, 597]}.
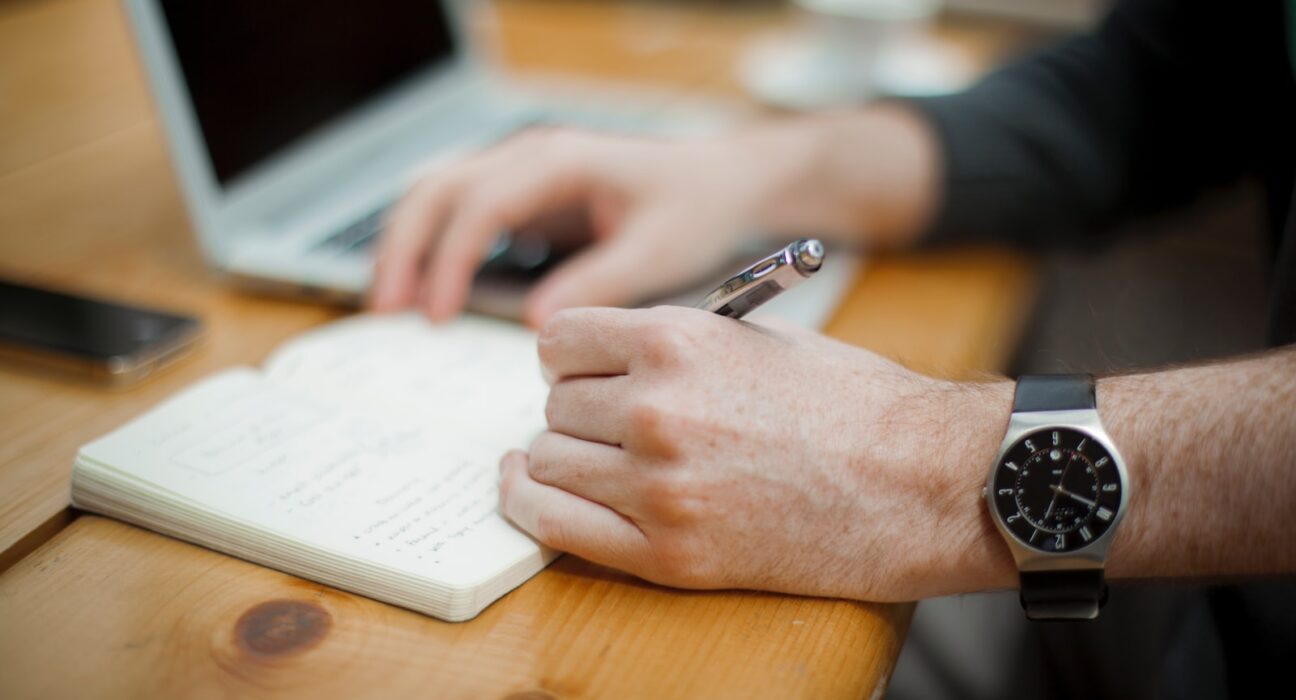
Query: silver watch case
{"type": "Point", "coordinates": [1092, 555]}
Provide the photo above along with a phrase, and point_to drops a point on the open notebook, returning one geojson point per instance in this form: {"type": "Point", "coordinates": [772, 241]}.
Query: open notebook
{"type": "Point", "coordinates": [362, 455]}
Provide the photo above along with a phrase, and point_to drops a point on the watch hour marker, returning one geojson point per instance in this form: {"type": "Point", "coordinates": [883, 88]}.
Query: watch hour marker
{"type": "Point", "coordinates": [1057, 439]}
{"type": "Point", "coordinates": [1104, 513]}
{"type": "Point", "coordinates": [1059, 541]}
{"type": "Point", "coordinates": [1110, 487]}
{"type": "Point", "coordinates": [1011, 466]}
{"type": "Point", "coordinates": [1030, 446]}
{"type": "Point", "coordinates": [1101, 461]}
{"type": "Point", "coordinates": [1084, 532]}
{"type": "Point", "coordinates": [1082, 444]}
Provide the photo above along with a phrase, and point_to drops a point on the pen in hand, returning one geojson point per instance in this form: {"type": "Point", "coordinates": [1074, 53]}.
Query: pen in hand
{"type": "Point", "coordinates": [765, 279]}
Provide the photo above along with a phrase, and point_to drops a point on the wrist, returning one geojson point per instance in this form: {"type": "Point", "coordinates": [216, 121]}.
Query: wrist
{"type": "Point", "coordinates": [867, 176]}
{"type": "Point", "coordinates": [780, 163]}
{"type": "Point", "coordinates": [1120, 406]}
{"type": "Point", "coordinates": [966, 552]}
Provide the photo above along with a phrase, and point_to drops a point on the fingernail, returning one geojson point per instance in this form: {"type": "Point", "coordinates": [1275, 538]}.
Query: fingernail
{"type": "Point", "coordinates": [510, 456]}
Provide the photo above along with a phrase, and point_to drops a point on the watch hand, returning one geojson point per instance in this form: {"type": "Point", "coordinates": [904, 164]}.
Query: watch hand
{"type": "Point", "coordinates": [1049, 511]}
{"type": "Point", "coordinates": [1078, 497]}
{"type": "Point", "coordinates": [1053, 503]}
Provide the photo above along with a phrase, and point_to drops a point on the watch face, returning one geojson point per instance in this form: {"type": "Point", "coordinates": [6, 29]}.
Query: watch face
{"type": "Point", "coordinates": [1057, 489]}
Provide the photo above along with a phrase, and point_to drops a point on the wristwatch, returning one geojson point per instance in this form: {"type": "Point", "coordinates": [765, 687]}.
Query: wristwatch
{"type": "Point", "coordinates": [1057, 492]}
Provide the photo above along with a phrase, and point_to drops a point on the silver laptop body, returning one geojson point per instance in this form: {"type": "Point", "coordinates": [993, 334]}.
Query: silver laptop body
{"type": "Point", "coordinates": [293, 124]}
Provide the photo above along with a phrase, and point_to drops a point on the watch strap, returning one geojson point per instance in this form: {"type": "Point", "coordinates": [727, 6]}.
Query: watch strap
{"type": "Point", "coordinates": [1063, 595]}
{"type": "Point", "coordinates": [1054, 392]}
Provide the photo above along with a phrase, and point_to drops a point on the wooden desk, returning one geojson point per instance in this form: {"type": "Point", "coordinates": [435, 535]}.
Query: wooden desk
{"type": "Point", "coordinates": [91, 606]}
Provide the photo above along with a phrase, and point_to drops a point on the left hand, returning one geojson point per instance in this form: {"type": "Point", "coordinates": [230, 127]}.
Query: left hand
{"type": "Point", "coordinates": [700, 452]}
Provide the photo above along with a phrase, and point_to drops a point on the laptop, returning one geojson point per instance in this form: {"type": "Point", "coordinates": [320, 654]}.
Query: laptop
{"type": "Point", "coordinates": [294, 124]}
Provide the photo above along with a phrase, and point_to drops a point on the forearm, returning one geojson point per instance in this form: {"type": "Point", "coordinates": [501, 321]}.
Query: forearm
{"type": "Point", "coordinates": [1211, 456]}
{"type": "Point", "coordinates": [1211, 452]}
{"type": "Point", "coordinates": [865, 176]}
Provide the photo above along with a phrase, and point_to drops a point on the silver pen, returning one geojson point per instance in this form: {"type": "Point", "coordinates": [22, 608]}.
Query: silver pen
{"type": "Point", "coordinates": [766, 279]}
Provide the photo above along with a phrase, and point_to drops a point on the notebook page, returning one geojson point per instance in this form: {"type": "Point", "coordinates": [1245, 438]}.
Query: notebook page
{"type": "Point", "coordinates": [474, 376]}
{"type": "Point", "coordinates": [365, 486]}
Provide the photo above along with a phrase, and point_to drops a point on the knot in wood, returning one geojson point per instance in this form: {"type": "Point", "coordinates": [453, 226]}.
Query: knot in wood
{"type": "Point", "coordinates": [282, 627]}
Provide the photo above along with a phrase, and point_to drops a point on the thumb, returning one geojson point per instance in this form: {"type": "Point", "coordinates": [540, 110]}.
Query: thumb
{"type": "Point", "coordinates": [614, 272]}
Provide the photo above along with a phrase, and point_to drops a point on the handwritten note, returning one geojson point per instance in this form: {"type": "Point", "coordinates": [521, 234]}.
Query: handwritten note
{"type": "Point", "coordinates": [378, 439]}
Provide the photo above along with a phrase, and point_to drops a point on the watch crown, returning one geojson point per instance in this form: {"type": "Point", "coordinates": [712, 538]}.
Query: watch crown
{"type": "Point", "coordinates": [984, 492]}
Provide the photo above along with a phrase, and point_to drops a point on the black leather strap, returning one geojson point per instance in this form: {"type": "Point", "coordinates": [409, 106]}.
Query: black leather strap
{"type": "Point", "coordinates": [1063, 595]}
{"type": "Point", "coordinates": [1054, 392]}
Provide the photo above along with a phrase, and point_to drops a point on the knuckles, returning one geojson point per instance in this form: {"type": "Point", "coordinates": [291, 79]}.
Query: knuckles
{"type": "Point", "coordinates": [551, 410]}
{"type": "Point", "coordinates": [655, 426]}
{"type": "Point", "coordinates": [673, 497]}
{"type": "Point", "coordinates": [539, 460]}
{"type": "Point", "coordinates": [663, 337]}
{"type": "Point", "coordinates": [555, 147]}
{"type": "Point", "coordinates": [669, 338]}
{"type": "Point", "coordinates": [550, 529]}
{"type": "Point", "coordinates": [664, 345]}
{"type": "Point", "coordinates": [557, 324]}
{"type": "Point", "coordinates": [548, 341]}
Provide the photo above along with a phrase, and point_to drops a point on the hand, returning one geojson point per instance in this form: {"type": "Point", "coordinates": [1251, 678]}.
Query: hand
{"type": "Point", "coordinates": [868, 177]}
{"type": "Point", "coordinates": [697, 451]}
{"type": "Point", "coordinates": [682, 204]}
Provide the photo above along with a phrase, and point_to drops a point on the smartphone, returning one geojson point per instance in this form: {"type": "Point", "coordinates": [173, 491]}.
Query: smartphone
{"type": "Point", "coordinates": [106, 341]}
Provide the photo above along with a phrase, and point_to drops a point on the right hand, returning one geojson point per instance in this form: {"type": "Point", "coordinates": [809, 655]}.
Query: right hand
{"type": "Point", "coordinates": [684, 204]}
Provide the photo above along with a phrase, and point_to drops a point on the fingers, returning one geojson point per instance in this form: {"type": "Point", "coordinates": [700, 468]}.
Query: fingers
{"type": "Point", "coordinates": [620, 271]}
{"type": "Point", "coordinates": [567, 522]}
{"type": "Point", "coordinates": [587, 343]}
{"type": "Point", "coordinates": [594, 471]}
{"type": "Point", "coordinates": [589, 408]}
{"type": "Point", "coordinates": [501, 199]}
{"type": "Point", "coordinates": [404, 244]}
{"type": "Point", "coordinates": [439, 232]}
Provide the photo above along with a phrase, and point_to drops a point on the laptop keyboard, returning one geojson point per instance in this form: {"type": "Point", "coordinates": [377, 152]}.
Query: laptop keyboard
{"type": "Point", "coordinates": [356, 237]}
{"type": "Point", "coordinates": [359, 236]}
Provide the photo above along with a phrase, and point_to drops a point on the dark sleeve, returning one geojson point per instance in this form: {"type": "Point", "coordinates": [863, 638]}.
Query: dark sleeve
{"type": "Point", "coordinates": [1162, 99]}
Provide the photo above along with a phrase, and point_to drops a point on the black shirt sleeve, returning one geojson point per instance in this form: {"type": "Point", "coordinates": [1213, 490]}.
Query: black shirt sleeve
{"type": "Point", "coordinates": [1162, 99]}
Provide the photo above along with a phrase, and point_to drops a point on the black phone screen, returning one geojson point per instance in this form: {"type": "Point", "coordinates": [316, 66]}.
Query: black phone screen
{"type": "Point", "coordinates": [39, 319]}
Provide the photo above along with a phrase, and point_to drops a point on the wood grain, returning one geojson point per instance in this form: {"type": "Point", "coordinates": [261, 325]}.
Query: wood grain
{"type": "Point", "coordinates": [106, 219]}
{"type": "Point", "coordinates": [146, 616]}
{"type": "Point", "coordinates": [56, 94]}
{"type": "Point", "coordinates": [95, 607]}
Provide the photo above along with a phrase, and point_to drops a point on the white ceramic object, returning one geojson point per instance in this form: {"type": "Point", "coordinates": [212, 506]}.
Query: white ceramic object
{"type": "Point", "coordinates": [847, 51]}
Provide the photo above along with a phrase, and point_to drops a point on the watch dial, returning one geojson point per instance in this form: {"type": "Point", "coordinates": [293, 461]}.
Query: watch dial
{"type": "Point", "coordinates": [1057, 489]}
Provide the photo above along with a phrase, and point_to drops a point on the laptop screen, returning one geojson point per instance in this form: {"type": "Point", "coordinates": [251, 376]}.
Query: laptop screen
{"type": "Point", "coordinates": [263, 74]}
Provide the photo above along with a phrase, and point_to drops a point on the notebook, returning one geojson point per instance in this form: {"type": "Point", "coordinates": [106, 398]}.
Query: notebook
{"type": "Point", "coordinates": [363, 455]}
